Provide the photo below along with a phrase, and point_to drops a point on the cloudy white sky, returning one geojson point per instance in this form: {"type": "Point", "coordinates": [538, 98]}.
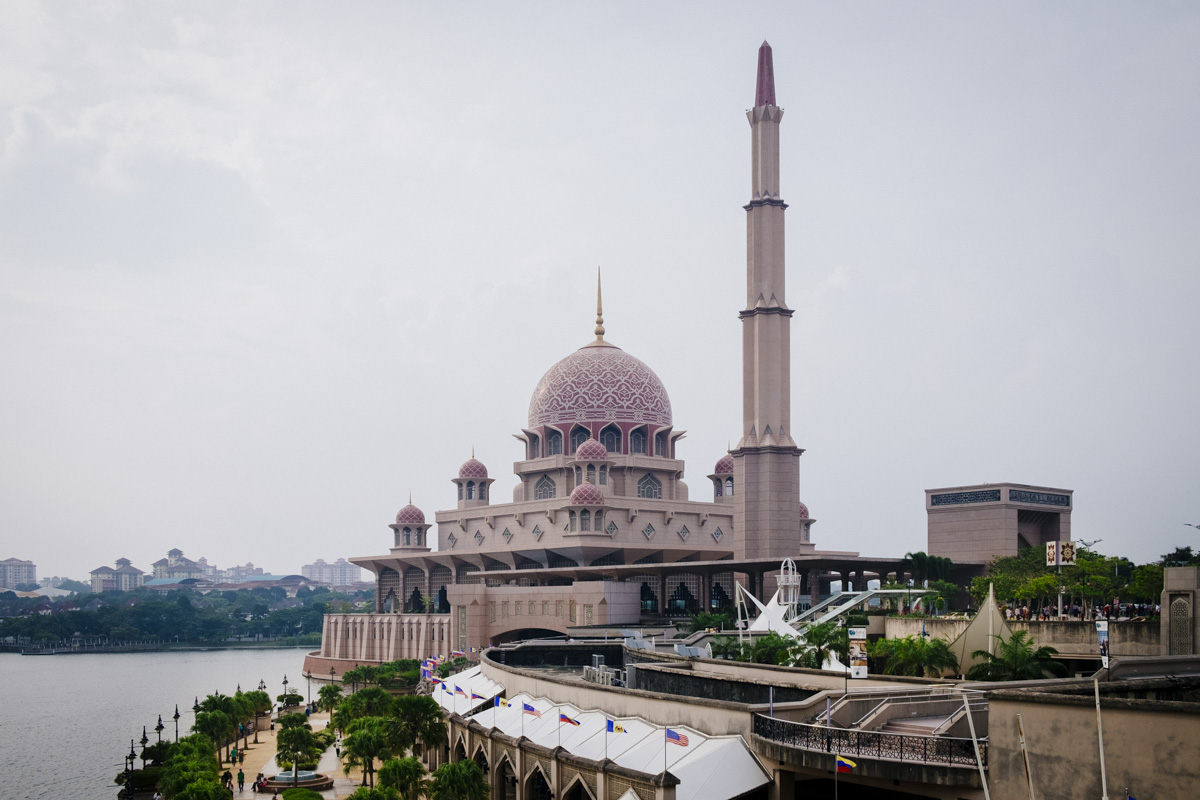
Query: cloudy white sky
{"type": "Point", "coordinates": [267, 268]}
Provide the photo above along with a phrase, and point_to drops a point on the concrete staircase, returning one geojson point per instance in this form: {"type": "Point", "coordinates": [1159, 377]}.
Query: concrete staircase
{"type": "Point", "coordinates": [914, 726]}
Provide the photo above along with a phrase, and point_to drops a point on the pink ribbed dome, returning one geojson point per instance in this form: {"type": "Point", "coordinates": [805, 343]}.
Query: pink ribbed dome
{"type": "Point", "coordinates": [586, 494]}
{"type": "Point", "coordinates": [472, 468]}
{"type": "Point", "coordinates": [724, 465]}
{"type": "Point", "coordinates": [600, 383]}
{"type": "Point", "coordinates": [804, 512]}
{"type": "Point", "coordinates": [410, 515]}
{"type": "Point", "coordinates": [591, 450]}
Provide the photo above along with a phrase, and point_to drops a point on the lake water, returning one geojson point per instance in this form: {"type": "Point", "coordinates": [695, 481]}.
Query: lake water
{"type": "Point", "coordinates": [66, 721]}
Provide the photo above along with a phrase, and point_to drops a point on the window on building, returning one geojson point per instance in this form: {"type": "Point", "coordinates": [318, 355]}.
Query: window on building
{"type": "Point", "coordinates": [637, 442]}
{"type": "Point", "coordinates": [591, 473]}
{"type": "Point", "coordinates": [599, 521]}
{"type": "Point", "coordinates": [603, 475]}
{"type": "Point", "coordinates": [470, 490]}
{"type": "Point", "coordinates": [407, 537]}
{"type": "Point", "coordinates": [729, 487]}
{"type": "Point", "coordinates": [572, 522]}
{"type": "Point", "coordinates": [534, 448]}
{"type": "Point", "coordinates": [610, 437]}
{"type": "Point", "coordinates": [578, 475]}
{"type": "Point", "coordinates": [578, 437]}
{"type": "Point", "coordinates": [483, 491]}
{"type": "Point", "coordinates": [460, 491]}
{"type": "Point", "coordinates": [650, 487]}
{"type": "Point", "coordinates": [585, 520]}
{"type": "Point", "coordinates": [661, 447]}
{"type": "Point", "coordinates": [717, 484]}
{"type": "Point", "coordinates": [553, 443]}
{"type": "Point", "coordinates": [544, 488]}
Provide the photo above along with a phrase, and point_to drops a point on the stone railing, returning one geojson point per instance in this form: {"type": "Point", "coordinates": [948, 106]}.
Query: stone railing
{"type": "Point", "coordinates": [940, 750]}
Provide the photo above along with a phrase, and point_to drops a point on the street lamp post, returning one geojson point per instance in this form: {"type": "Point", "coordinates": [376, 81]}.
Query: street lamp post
{"type": "Point", "coordinates": [145, 741]}
{"type": "Point", "coordinates": [131, 759]}
{"type": "Point", "coordinates": [196, 705]}
{"type": "Point", "coordinates": [308, 689]}
{"type": "Point", "coordinates": [177, 722]}
{"type": "Point", "coordinates": [158, 729]}
{"type": "Point", "coordinates": [285, 694]}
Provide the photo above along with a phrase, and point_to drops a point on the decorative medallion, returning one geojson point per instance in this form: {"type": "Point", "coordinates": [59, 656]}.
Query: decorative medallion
{"type": "Point", "coordinates": [683, 532]}
{"type": "Point", "coordinates": [452, 540]}
{"type": "Point", "coordinates": [537, 532]}
{"type": "Point", "coordinates": [507, 535]}
{"type": "Point", "coordinates": [648, 530]}
{"type": "Point", "coordinates": [612, 529]}
{"type": "Point", "coordinates": [478, 537]}
{"type": "Point", "coordinates": [717, 534]}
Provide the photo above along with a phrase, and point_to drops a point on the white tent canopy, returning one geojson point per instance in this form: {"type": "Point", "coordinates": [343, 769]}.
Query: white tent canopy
{"type": "Point", "coordinates": [709, 767]}
{"type": "Point", "coordinates": [476, 690]}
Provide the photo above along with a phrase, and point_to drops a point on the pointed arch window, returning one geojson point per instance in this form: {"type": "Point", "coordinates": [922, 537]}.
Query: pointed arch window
{"type": "Point", "coordinates": [544, 488]}
{"type": "Point", "coordinates": [661, 448]}
{"type": "Point", "coordinates": [729, 487]}
{"type": "Point", "coordinates": [637, 442]}
{"type": "Point", "coordinates": [718, 484]}
{"type": "Point", "coordinates": [599, 521]}
{"type": "Point", "coordinates": [482, 490]}
{"type": "Point", "coordinates": [578, 475]}
{"type": "Point", "coordinates": [470, 490]}
{"type": "Point", "coordinates": [578, 437]}
{"type": "Point", "coordinates": [407, 537]}
{"type": "Point", "coordinates": [585, 520]}
{"type": "Point", "coordinates": [603, 475]}
{"type": "Point", "coordinates": [460, 491]}
{"type": "Point", "coordinates": [650, 487]}
{"type": "Point", "coordinates": [610, 437]}
{"type": "Point", "coordinates": [591, 474]}
{"type": "Point", "coordinates": [553, 443]}
{"type": "Point", "coordinates": [534, 446]}
{"type": "Point", "coordinates": [571, 523]}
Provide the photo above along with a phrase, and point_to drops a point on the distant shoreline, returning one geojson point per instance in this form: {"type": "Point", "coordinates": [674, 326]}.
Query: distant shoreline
{"type": "Point", "coordinates": [165, 647]}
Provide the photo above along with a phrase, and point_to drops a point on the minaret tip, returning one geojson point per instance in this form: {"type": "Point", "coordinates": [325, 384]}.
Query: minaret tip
{"type": "Point", "coordinates": [599, 310]}
{"type": "Point", "coordinates": [764, 92]}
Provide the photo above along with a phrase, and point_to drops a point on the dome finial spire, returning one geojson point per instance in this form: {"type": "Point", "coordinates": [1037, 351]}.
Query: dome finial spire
{"type": "Point", "coordinates": [599, 310]}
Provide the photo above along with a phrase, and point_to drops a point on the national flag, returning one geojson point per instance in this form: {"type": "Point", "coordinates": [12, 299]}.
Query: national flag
{"type": "Point", "coordinates": [564, 718]}
{"type": "Point", "coordinates": [477, 696]}
{"type": "Point", "coordinates": [528, 709]}
{"type": "Point", "coordinates": [459, 690]}
{"type": "Point", "coordinates": [458, 653]}
{"type": "Point", "coordinates": [844, 764]}
{"type": "Point", "coordinates": [501, 702]}
{"type": "Point", "coordinates": [437, 681]}
{"type": "Point", "coordinates": [677, 737]}
{"type": "Point", "coordinates": [614, 727]}
{"type": "Point", "coordinates": [472, 649]}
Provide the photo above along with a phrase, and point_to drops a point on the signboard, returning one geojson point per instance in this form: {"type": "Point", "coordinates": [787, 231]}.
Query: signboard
{"type": "Point", "coordinates": [1051, 554]}
{"type": "Point", "coordinates": [858, 652]}
{"type": "Point", "coordinates": [1102, 636]}
{"type": "Point", "coordinates": [1060, 554]}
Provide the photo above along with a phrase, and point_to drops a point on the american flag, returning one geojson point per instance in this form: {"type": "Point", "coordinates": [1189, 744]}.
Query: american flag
{"type": "Point", "coordinates": [677, 737]}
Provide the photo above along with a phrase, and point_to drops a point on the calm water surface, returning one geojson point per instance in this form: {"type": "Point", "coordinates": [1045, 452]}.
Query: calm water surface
{"type": "Point", "coordinates": [66, 721]}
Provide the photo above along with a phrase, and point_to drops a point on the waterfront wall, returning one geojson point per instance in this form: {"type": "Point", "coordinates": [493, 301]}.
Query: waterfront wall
{"type": "Point", "coordinates": [1072, 639]}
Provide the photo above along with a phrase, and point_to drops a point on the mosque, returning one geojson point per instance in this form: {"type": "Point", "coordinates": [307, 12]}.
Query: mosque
{"type": "Point", "coordinates": [601, 530]}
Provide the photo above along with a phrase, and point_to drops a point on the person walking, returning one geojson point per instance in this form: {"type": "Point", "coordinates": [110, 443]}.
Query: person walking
{"type": "Point", "coordinates": [241, 780]}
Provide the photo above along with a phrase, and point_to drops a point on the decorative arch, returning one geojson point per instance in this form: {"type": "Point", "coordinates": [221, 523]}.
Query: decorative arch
{"type": "Point", "coordinates": [649, 487]}
{"type": "Point", "coordinates": [610, 437]}
{"type": "Point", "coordinates": [544, 488]}
{"type": "Point", "coordinates": [578, 789]}
{"type": "Point", "coordinates": [729, 487]}
{"type": "Point", "coordinates": [637, 441]}
{"type": "Point", "coordinates": [554, 443]}
{"type": "Point", "coordinates": [470, 490]}
{"type": "Point", "coordinates": [579, 435]}
{"type": "Point", "coordinates": [537, 784]}
{"type": "Point", "coordinates": [535, 446]}
{"type": "Point", "coordinates": [662, 445]}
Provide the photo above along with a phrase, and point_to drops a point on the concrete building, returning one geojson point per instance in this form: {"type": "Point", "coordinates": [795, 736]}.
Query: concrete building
{"type": "Point", "coordinates": [602, 528]}
{"type": "Point", "coordinates": [14, 572]}
{"type": "Point", "coordinates": [125, 577]}
{"type": "Point", "coordinates": [339, 573]}
{"type": "Point", "coordinates": [974, 524]}
{"type": "Point", "coordinates": [1179, 620]}
{"type": "Point", "coordinates": [176, 566]}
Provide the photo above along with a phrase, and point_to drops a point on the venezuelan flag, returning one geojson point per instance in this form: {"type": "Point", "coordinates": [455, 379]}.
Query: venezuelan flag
{"type": "Point", "coordinates": [477, 696]}
{"type": "Point", "coordinates": [844, 764]}
{"type": "Point", "coordinates": [568, 720]}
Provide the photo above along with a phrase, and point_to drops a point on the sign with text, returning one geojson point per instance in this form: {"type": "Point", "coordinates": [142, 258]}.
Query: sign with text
{"type": "Point", "coordinates": [858, 652]}
{"type": "Point", "coordinates": [1102, 636]}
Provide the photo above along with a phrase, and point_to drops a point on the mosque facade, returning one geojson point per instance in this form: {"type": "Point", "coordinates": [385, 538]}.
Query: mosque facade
{"type": "Point", "coordinates": [601, 529]}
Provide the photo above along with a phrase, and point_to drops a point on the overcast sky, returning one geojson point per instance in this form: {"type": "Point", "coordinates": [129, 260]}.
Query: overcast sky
{"type": "Point", "coordinates": [266, 268]}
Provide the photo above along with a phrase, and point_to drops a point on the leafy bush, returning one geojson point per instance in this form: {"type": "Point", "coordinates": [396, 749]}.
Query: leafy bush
{"type": "Point", "coordinates": [300, 793]}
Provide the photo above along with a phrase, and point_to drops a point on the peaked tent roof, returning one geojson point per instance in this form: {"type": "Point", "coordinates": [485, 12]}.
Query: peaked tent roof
{"type": "Point", "coordinates": [988, 623]}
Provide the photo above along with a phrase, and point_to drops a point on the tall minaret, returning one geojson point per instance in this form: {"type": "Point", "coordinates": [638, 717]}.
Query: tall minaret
{"type": "Point", "coordinates": [766, 470]}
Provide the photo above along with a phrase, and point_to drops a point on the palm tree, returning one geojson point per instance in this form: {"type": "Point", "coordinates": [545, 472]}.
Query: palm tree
{"type": "Point", "coordinates": [822, 640]}
{"type": "Point", "coordinates": [1016, 660]}
{"type": "Point", "coordinates": [213, 725]}
{"type": "Point", "coordinates": [729, 648]}
{"type": "Point", "coordinates": [328, 696]}
{"type": "Point", "coordinates": [459, 780]}
{"type": "Point", "coordinates": [772, 649]}
{"type": "Point", "coordinates": [405, 775]}
{"type": "Point", "coordinates": [364, 744]}
{"type": "Point", "coordinates": [415, 721]}
{"type": "Point", "coordinates": [232, 709]}
{"type": "Point", "coordinates": [295, 740]}
{"type": "Point", "coordinates": [913, 655]}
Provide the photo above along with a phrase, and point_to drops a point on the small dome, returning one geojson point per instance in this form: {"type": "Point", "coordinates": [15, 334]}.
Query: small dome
{"type": "Point", "coordinates": [410, 515]}
{"type": "Point", "coordinates": [724, 465]}
{"type": "Point", "coordinates": [586, 494]}
{"type": "Point", "coordinates": [591, 450]}
{"type": "Point", "coordinates": [804, 512]}
{"type": "Point", "coordinates": [472, 468]}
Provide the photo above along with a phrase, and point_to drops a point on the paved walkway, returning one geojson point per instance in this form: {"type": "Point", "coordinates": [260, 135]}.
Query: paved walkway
{"type": "Point", "coordinates": [261, 758]}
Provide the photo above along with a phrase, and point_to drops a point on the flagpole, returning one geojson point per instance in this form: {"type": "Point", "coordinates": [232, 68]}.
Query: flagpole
{"type": "Point", "coordinates": [664, 751]}
{"type": "Point", "coordinates": [1100, 731]}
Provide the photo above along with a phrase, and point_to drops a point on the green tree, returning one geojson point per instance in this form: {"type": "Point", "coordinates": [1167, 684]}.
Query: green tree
{"type": "Point", "coordinates": [190, 772]}
{"type": "Point", "coordinates": [1147, 583]}
{"type": "Point", "coordinates": [1016, 660]}
{"type": "Point", "coordinates": [414, 721]}
{"type": "Point", "coordinates": [328, 696]}
{"type": "Point", "coordinates": [772, 648]}
{"type": "Point", "coordinates": [214, 726]}
{"type": "Point", "coordinates": [295, 740]}
{"type": "Point", "coordinates": [914, 656]}
{"type": "Point", "coordinates": [364, 745]}
{"type": "Point", "coordinates": [819, 641]}
{"type": "Point", "coordinates": [459, 780]}
{"type": "Point", "coordinates": [405, 775]}
{"type": "Point", "coordinates": [729, 648]}
{"type": "Point", "coordinates": [703, 620]}
{"type": "Point", "coordinates": [1181, 557]}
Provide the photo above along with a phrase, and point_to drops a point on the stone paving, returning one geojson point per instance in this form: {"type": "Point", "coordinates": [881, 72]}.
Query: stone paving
{"type": "Point", "coordinates": [261, 758]}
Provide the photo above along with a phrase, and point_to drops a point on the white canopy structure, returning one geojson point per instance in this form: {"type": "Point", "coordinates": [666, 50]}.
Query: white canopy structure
{"type": "Point", "coordinates": [708, 767]}
{"type": "Point", "coordinates": [476, 691]}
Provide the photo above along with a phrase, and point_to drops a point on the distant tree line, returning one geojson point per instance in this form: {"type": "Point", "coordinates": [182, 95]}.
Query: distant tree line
{"type": "Point", "coordinates": [184, 615]}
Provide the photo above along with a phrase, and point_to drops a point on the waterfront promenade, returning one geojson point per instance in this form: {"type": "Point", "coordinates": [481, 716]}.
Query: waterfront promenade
{"type": "Point", "coordinates": [261, 758]}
